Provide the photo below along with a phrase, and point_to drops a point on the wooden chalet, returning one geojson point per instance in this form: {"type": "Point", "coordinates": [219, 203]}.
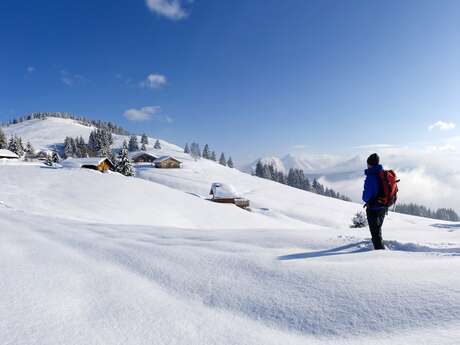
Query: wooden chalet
{"type": "Point", "coordinates": [226, 194]}
{"type": "Point", "coordinates": [143, 157]}
{"type": "Point", "coordinates": [167, 162]}
{"type": "Point", "coordinates": [101, 164]}
{"type": "Point", "coordinates": [7, 154]}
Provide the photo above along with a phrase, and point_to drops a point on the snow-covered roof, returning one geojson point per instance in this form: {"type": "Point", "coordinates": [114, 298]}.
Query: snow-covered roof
{"type": "Point", "coordinates": [79, 162]}
{"type": "Point", "coordinates": [164, 158]}
{"type": "Point", "coordinates": [134, 155]}
{"type": "Point", "coordinates": [4, 153]}
{"type": "Point", "coordinates": [222, 190]}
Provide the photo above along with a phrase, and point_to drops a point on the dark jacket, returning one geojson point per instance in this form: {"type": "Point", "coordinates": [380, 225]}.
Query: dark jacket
{"type": "Point", "coordinates": [372, 187]}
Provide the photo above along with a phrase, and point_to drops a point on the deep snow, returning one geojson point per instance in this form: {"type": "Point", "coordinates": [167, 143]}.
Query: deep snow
{"type": "Point", "coordinates": [91, 258]}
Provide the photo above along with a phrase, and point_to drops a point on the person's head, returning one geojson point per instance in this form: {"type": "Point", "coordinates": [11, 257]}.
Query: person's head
{"type": "Point", "coordinates": [373, 160]}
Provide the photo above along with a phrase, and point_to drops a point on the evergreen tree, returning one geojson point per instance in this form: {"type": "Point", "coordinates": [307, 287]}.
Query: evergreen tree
{"type": "Point", "coordinates": [15, 145]}
{"type": "Point", "coordinates": [99, 143]}
{"type": "Point", "coordinates": [68, 149]}
{"type": "Point", "coordinates": [230, 162]}
{"type": "Point", "coordinates": [213, 156]}
{"type": "Point", "coordinates": [157, 145]}
{"type": "Point", "coordinates": [195, 151]}
{"type": "Point", "coordinates": [186, 149]}
{"type": "Point", "coordinates": [222, 160]}
{"type": "Point", "coordinates": [124, 166]}
{"type": "Point", "coordinates": [133, 144]}
{"type": "Point", "coordinates": [259, 169]}
{"type": "Point", "coordinates": [3, 141]}
{"type": "Point", "coordinates": [30, 151]}
{"type": "Point", "coordinates": [55, 157]}
{"type": "Point", "coordinates": [266, 172]}
{"type": "Point", "coordinates": [144, 139]}
{"type": "Point", "coordinates": [82, 149]}
{"type": "Point", "coordinates": [143, 148]}
{"type": "Point", "coordinates": [206, 152]}
{"type": "Point", "coordinates": [359, 220]}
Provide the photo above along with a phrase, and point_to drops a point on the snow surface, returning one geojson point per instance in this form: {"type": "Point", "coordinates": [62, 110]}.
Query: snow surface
{"type": "Point", "coordinates": [91, 258]}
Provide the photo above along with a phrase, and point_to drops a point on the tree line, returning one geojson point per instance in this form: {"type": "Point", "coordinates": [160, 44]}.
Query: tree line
{"type": "Point", "coordinates": [422, 211]}
{"type": "Point", "coordinates": [15, 144]}
{"type": "Point", "coordinates": [296, 178]}
{"type": "Point", "coordinates": [195, 151]}
{"type": "Point", "coordinates": [107, 125]}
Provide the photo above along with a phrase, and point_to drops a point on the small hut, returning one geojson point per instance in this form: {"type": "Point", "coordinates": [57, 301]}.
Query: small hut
{"type": "Point", "coordinates": [167, 162]}
{"type": "Point", "coordinates": [226, 194]}
{"type": "Point", "coordinates": [101, 164]}
{"type": "Point", "coordinates": [7, 154]}
{"type": "Point", "coordinates": [143, 157]}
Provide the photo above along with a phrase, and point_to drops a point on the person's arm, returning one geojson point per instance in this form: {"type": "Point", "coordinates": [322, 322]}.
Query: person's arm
{"type": "Point", "coordinates": [370, 189]}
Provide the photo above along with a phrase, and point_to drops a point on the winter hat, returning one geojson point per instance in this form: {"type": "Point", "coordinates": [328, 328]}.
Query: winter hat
{"type": "Point", "coordinates": [373, 159]}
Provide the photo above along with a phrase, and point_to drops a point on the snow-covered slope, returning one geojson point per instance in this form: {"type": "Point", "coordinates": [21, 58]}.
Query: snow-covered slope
{"type": "Point", "coordinates": [91, 258]}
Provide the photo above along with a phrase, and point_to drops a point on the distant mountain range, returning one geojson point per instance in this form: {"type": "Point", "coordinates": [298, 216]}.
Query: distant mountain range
{"type": "Point", "coordinates": [315, 165]}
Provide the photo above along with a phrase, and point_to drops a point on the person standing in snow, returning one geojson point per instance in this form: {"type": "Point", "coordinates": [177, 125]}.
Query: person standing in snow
{"type": "Point", "coordinates": [372, 190]}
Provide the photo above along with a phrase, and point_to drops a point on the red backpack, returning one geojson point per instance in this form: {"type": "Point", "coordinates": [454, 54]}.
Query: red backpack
{"type": "Point", "coordinates": [389, 188]}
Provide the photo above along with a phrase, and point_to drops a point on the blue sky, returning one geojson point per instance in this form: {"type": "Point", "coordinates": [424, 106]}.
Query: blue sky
{"type": "Point", "coordinates": [248, 77]}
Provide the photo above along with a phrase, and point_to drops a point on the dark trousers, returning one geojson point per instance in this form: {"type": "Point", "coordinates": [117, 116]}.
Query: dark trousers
{"type": "Point", "coordinates": [375, 219]}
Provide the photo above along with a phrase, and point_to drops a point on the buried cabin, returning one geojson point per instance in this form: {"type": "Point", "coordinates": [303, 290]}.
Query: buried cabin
{"type": "Point", "coordinates": [101, 164]}
{"type": "Point", "coordinates": [226, 194]}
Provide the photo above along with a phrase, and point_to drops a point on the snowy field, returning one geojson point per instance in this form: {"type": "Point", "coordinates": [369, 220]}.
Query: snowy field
{"type": "Point", "coordinates": [91, 258]}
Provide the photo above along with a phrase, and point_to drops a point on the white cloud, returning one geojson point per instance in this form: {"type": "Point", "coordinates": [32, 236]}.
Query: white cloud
{"type": "Point", "coordinates": [31, 69]}
{"type": "Point", "coordinates": [441, 125]}
{"type": "Point", "coordinates": [154, 81]}
{"type": "Point", "coordinates": [171, 9]}
{"type": "Point", "coordinates": [142, 114]}
{"type": "Point", "coordinates": [71, 79]}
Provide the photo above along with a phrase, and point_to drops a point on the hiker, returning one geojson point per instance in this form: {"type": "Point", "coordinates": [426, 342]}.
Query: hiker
{"type": "Point", "coordinates": [375, 210]}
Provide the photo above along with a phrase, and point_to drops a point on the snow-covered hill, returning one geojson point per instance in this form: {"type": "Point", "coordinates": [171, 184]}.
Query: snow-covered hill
{"type": "Point", "coordinates": [50, 132]}
{"type": "Point", "coordinates": [91, 258]}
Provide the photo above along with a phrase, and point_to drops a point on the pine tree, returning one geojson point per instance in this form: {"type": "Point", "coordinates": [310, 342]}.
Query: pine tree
{"type": "Point", "coordinates": [230, 162]}
{"type": "Point", "coordinates": [195, 151]}
{"type": "Point", "coordinates": [15, 145]}
{"type": "Point", "coordinates": [359, 220]}
{"type": "Point", "coordinates": [143, 147]}
{"type": "Point", "coordinates": [124, 166]}
{"type": "Point", "coordinates": [186, 148]}
{"type": "Point", "coordinates": [206, 153]}
{"type": "Point", "coordinates": [133, 144]}
{"type": "Point", "coordinates": [266, 172]}
{"type": "Point", "coordinates": [157, 145]}
{"type": "Point", "coordinates": [82, 148]}
{"type": "Point", "coordinates": [68, 149]}
{"type": "Point", "coordinates": [3, 141]}
{"type": "Point", "coordinates": [222, 160]}
{"type": "Point", "coordinates": [30, 151]}
{"type": "Point", "coordinates": [259, 169]}
{"type": "Point", "coordinates": [213, 156]}
{"type": "Point", "coordinates": [55, 157]}
{"type": "Point", "coordinates": [144, 139]}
